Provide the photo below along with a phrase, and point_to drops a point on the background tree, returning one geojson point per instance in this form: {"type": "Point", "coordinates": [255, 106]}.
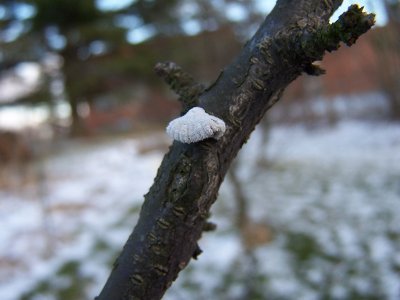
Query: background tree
{"type": "Point", "coordinates": [76, 33]}
{"type": "Point", "coordinates": [93, 43]}
{"type": "Point", "coordinates": [175, 211]}
{"type": "Point", "coordinates": [389, 60]}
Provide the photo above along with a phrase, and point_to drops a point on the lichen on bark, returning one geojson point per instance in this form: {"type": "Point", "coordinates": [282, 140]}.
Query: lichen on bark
{"type": "Point", "coordinates": [349, 26]}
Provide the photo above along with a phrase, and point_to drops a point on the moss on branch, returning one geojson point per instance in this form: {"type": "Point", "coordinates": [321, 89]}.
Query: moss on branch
{"type": "Point", "coordinates": [347, 29]}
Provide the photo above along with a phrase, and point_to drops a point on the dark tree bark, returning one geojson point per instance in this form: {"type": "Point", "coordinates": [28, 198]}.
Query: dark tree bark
{"type": "Point", "coordinates": [175, 211]}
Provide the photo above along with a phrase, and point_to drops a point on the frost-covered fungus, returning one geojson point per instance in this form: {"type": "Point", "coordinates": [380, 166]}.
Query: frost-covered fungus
{"type": "Point", "coordinates": [196, 125]}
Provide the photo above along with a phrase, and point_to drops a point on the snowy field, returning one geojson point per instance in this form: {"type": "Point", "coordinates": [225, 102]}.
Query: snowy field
{"type": "Point", "coordinates": [330, 196]}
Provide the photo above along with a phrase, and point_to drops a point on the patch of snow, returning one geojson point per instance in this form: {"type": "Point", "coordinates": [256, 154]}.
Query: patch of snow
{"type": "Point", "coordinates": [84, 194]}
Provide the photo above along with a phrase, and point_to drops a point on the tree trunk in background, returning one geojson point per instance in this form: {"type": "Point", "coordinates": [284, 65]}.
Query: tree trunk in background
{"type": "Point", "coordinates": [76, 128]}
{"type": "Point", "coordinates": [389, 58]}
{"type": "Point", "coordinates": [71, 76]}
{"type": "Point", "coordinates": [175, 211]}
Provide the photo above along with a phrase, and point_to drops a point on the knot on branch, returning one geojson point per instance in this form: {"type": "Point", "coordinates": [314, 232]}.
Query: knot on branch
{"type": "Point", "coordinates": [181, 83]}
{"type": "Point", "coordinates": [197, 251]}
{"type": "Point", "coordinates": [314, 70]}
{"type": "Point", "coordinates": [209, 226]}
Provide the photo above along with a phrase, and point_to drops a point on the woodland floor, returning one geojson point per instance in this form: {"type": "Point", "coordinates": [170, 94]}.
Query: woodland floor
{"type": "Point", "coordinates": [325, 205]}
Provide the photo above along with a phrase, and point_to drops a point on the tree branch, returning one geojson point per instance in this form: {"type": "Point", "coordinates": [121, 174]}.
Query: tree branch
{"type": "Point", "coordinates": [292, 37]}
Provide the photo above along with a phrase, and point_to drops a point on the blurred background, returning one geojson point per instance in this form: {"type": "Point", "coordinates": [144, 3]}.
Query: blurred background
{"type": "Point", "coordinates": [309, 210]}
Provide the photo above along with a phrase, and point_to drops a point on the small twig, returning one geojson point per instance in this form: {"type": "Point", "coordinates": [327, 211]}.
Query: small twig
{"type": "Point", "coordinates": [181, 83]}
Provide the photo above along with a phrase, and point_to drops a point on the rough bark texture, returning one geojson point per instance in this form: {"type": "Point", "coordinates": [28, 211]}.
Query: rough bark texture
{"type": "Point", "coordinates": [175, 211]}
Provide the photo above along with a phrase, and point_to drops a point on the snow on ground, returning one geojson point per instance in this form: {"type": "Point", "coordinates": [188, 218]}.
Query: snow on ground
{"type": "Point", "coordinates": [331, 197]}
{"type": "Point", "coordinates": [85, 195]}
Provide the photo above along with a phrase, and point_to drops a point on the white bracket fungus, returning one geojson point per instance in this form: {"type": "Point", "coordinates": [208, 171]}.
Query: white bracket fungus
{"type": "Point", "coordinates": [196, 125]}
